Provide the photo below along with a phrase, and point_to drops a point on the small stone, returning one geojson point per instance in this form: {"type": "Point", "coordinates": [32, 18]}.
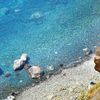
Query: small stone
{"type": "Point", "coordinates": [87, 51]}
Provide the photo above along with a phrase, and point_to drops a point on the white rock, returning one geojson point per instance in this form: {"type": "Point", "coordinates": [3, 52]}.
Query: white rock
{"type": "Point", "coordinates": [18, 64]}
{"type": "Point", "coordinates": [24, 57]}
{"type": "Point", "coordinates": [35, 71]}
{"type": "Point", "coordinates": [10, 98]}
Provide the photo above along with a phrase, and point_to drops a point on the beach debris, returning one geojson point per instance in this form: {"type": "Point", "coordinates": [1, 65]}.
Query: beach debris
{"type": "Point", "coordinates": [97, 59]}
{"type": "Point", "coordinates": [35, 72]}
{"type": "Point", "coordinates": [7, 74]}
{"type": "Point", "coordinates": [87, 51]}
{"type": "Point", "coordinates": [19, 63]}
{"type": "Point", "coordinates": [1, 72]}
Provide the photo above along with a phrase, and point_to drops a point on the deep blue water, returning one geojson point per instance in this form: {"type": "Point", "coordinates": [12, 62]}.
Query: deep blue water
{"type": "Point", "coordinates": [58, 36]}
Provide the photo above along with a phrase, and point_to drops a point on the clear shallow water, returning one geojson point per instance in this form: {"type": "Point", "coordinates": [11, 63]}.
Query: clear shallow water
{"type": "Point", "coordinates": [58, 36]}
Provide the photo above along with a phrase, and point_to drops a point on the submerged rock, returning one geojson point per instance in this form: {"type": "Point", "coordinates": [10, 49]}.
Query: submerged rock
{"type": "Point", "coordinates": [36, 15]}
{"type": "Point", "coordinates": [87, 51]}
{"type": "Point", "coordinates": [35, 72]}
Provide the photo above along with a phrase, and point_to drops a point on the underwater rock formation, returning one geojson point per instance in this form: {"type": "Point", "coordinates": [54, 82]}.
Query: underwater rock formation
{"type": "Point", "coordinates": [37, 17]}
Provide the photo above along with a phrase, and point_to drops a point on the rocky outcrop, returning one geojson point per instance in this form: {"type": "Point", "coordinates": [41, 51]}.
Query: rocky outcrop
{"type": "Point", "coordinates": [35, 72]}
{"type": "Point", "coordinates": [19, 63]}
{"type": "Point", "coordinates": [97, 60]}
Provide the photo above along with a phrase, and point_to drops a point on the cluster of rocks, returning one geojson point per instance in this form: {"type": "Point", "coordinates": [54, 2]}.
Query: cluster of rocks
{"type": "Point", "coordinates": [97, 59]}
{"type": "Point", "coordinates": [34, 71]}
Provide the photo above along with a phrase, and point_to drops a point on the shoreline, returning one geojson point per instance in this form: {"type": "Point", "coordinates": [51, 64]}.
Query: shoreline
{"type": "Point", "coordinates": [67, 75]}
{"type": "Point", "coordinates": [48, 76]}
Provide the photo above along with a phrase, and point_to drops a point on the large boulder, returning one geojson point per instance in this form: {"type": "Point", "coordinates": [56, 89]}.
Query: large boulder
{"type": "Point", "coordinates": [97, 60]}
{"type": "Point", "coordinates": [18, 64]}
{"type": "Point", "coordinates": [35, 72]}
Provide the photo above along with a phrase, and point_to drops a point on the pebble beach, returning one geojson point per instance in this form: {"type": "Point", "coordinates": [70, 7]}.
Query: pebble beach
{"type": "Point", "coordinates": [66, 85]}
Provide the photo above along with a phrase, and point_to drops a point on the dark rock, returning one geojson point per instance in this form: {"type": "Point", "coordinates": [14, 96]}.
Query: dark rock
{"type": "Point", "coordinates": [92, 83]}
{"type": "Point", "coordinates": [14, 93]}
{"type": "Point", "coordinates": [7, 74]}
{"type": "Point", "coordinates": [87, 51]}
{"type": "Point", "coordinates": [27, 66]}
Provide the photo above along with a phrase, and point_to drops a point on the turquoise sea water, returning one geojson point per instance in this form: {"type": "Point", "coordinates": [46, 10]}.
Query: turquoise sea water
{"type": "Point", "coordinates": [51, 32]}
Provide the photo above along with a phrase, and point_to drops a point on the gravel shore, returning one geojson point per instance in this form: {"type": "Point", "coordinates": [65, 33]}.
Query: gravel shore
{"type": "Point", "coordinates": [65, 86]}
